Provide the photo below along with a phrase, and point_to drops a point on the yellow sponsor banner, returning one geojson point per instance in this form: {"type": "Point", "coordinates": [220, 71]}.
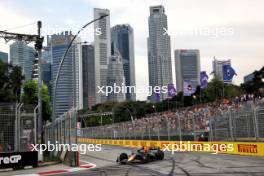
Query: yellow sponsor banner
{"type": "Point", "coordinates": [236, 148]}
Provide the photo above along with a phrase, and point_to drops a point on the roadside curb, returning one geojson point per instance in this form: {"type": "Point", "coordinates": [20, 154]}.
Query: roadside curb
{"type": "Point", "coordinates": [62, 171]}
{"type": "Point", "coordinates": [49, 163]}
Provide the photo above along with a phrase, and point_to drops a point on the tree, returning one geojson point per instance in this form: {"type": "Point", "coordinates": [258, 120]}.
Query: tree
{"type": "Point", "coordinates": [231, 91]}
{"type": "Point", "coordinates": [10, 82]}
{"type": "Point", "coordinates": [256, 84]}
{"type": "Point", "coordinates": [30, 96]}
{"type": "Point", "coordinates": [215, 90]}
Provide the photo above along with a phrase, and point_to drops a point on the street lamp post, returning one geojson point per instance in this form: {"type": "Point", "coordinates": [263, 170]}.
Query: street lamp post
{"type": "Point", "coordinates": [131, 116]}
{"type": "Point", "coordinates": [55, 83]}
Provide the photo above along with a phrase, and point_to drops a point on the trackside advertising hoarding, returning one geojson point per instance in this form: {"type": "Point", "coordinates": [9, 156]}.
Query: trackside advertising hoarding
{"type": "Point", "coordinates": [18, 159]}
{"type": "Point", "coordinates": [235, 148]}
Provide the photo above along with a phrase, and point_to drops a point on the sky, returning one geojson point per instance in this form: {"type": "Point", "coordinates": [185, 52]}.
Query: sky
{"type": "Point", "coordinates": [223, 29]}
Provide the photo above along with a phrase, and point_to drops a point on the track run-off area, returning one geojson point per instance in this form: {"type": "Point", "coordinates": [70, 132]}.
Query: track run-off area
{"type": "Point", "coordinates": [179, 163]}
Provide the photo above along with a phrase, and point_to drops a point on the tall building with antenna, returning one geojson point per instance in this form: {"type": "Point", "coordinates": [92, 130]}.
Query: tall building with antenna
{"type": "Point", "coordinates": [102, 51]}
{"type": "Point", "coordinates": [159, 50]}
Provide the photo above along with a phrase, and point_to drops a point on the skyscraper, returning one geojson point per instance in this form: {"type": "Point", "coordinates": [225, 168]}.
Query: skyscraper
{"type": "Point", "coordinates": [46, 67]}
{"type": "Point", "coordinates": [218, 68]}
{"type": "Point", "coordinates": [4, 57]}
{"type": "Point", "coordinates": [69, 92]}
{"type": "Point", "coordinates": [23, 56]}
{"type": "Point", "coordinates": [102, 51]}
{"type": "Point", "coordinates": [115, 77]}
{"type": "Point", "coordinates": [159, 51]}
{"type": "Point", "coordinates": [122, 37]}
{"type": "Point", "coordinates": [187, 67]}
{"type": "Point", "coordinates": [88, 76]}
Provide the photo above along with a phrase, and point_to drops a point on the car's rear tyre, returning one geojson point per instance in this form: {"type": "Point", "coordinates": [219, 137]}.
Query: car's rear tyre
{"type": "Point", "coordinates": [145, 159]}
{"type": "Point", "coordinates": [123, 158]}
{"type": "Point", "coordinates": [160, 155]}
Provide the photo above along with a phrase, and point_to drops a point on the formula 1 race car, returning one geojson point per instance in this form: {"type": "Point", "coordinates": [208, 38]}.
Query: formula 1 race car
{"type": "Point", "coordinates": [143, 155]}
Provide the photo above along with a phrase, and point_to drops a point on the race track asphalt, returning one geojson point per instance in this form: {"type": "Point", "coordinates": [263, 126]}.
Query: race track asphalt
{"type": "Point", "coordinates": [180, 163]}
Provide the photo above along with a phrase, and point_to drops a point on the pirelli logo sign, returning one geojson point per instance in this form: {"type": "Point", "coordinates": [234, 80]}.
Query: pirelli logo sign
{"type": "Point", "coordinates": [247, 148]}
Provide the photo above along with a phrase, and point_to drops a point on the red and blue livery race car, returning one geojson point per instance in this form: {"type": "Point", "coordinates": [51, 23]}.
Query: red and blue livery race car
{"type": "Point", "coordinates": [142, 155]}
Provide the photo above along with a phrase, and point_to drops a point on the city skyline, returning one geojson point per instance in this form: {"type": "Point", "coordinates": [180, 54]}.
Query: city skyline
{"type": "Point", "coordinates": [242, 33]}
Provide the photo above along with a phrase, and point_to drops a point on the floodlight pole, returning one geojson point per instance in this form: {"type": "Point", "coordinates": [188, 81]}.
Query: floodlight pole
{"type": "Point", "coordinates": [40, 119]}
{"type": "Point", "coordinates": [55, 83]}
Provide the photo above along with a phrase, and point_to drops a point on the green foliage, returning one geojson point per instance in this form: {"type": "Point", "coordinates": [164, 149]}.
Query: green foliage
{"type": "Point", "coordinates": [10, 82]}
{"type": "Point", "coordinates": [30, 96]}
{"type": "Point", "coordinates": [96, 120]}
{"type": "Point", "coordinates": [216, 90]}
{"type": "Point", "coordinates": [231, 91]}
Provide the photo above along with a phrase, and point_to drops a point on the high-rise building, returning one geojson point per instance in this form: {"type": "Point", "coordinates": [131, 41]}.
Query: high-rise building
{"type": "Point", "coordinates": [88, 76]}
{"type": "Point", "coordinates": [46, 67]}
{"type": "Point", "coordinates": [4, 57]}
{"type": "Point", "coordinates": [249, 77]}
{"type": "Point", "coordinates": [159, 51]}
{"type": "Point", "coordinates": [218, 68]}
{"type": "Point", "coordinates": [187, 67]}
{"type": "Point", "coordinates": [69, 91]}
{"type": "Point", "coordinates": [115, 77]}
{"type": "Point", "coordinates": [23, 56]}
{"type": "Point", "coordinates": [122, 37]}
{"type": "Point", "coordinates": [102, 51]}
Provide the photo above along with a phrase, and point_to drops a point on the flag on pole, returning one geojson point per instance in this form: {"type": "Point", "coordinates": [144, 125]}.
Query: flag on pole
{"type": "Point", "coordinates": [203, 80]}
{"type": "Point", "coordinates": [228, 73]}
{"type": "Point", "coordinates": [171, 90]}
{"type": "Point", "coordinates": [188, 89]}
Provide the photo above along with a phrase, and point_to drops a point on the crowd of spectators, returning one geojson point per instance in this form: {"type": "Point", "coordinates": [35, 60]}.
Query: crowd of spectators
{"type": "Point", "coordinates": [189, 119]}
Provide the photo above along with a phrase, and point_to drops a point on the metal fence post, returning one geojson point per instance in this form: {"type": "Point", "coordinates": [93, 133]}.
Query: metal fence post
{"type": "Point", "coordinates": [168, 128]}
{"type": "Point", "coordinates": [158, 133]}
{"type": "Point", "coordinates": [35, 124]}
{"type": "Point", "coordinates": [148, 130]}
{"type": "Point", "coordinates": [179, 126]}
{"type": "Point", "coordinates": [210, 129]}
{"type": "Point", "coordinates": [193, 126]}
{"type": "Point", "coordinates": [231, 125]}
{"type": "Point", "coordinates": [19, 125]}
{"type": "Point", "coordinates": [16, 127]}
{"type": "Point", "coordinates": [142, 137]}
{"type": "Point", "coordinates": [256, 126]}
